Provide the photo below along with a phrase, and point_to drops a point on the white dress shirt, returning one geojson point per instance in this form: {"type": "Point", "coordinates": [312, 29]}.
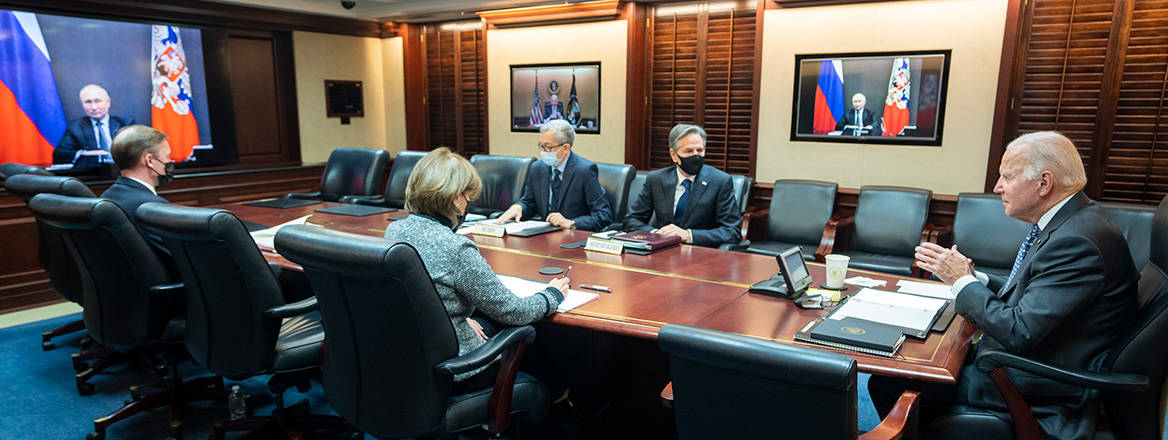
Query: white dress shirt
{"type": "Point", "coordinates": [147, 185]}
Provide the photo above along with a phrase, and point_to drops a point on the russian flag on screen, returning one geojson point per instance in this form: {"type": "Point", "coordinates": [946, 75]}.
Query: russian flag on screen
{"type": "Point", "coordinates": [31, 117]}
{"type": "Point", "coordinates": [170, 110]}
{"type": "Point", "coordinates": [829, 96]}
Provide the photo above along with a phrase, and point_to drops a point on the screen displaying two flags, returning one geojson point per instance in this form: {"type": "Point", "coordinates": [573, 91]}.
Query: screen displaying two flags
{"type": "Point", "coordinates": [31, 117]}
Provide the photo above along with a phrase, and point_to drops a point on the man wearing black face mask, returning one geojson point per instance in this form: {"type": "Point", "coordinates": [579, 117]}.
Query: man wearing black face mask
{"type": "Point", "coordinates": [689, 200]}
{"type": "Point", "coordinates": [143, 156]}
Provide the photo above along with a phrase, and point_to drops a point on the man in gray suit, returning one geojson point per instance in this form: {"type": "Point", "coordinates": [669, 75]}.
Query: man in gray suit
{"type": "Point", "coordinates": [1071, 291]}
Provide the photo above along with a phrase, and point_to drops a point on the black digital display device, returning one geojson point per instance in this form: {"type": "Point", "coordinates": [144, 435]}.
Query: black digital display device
{"type": "Point", "coordinates": [792, 279]}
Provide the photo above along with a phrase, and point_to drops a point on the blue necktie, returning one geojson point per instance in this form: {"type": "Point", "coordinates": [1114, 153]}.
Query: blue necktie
{"type": "Point", "coordinates": [555, 190]}
{"type": "Point", "coordinates": [102, 144]}
{"type": "Point", "coordinates": [1022, 253]}
{"type": "Point", "coordinates": [681, 203]}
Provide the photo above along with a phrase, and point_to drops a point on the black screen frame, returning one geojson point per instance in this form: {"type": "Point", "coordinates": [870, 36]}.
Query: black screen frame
{"type": "Point", "coordinates": [794, 287]}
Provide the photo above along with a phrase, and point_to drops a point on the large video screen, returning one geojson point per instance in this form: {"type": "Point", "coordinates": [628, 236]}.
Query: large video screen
{"type": "Point", "coordinates": [67, 84]}
{"type": "Point", "coordinates": [540, 93]}
{"type": "Point", "coordinates": [877, 98]}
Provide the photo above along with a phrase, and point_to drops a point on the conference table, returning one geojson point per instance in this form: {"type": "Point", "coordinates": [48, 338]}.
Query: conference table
{"type": "Point", "coordinates": [690, 285]}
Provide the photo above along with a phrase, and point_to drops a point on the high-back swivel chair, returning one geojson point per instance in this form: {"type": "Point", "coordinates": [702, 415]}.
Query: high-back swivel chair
{"type": "Point", "coordinates": [503, 178]}
{"type": "Point", "coordinates": [734, 386]}
{"type": "Point", "coordinates": [238, 324]}
{"type": "Point", "coordinates": [394, 195]}
{"type": "Point", "coordinates": [391, 353]}
{"type": "Point", "coordinates": [1135, 221]}
{"type": "Point", "coordinates": [9, 169]}
{"type": "Point", "coordinates": [616, 179]}
{"type": "Point", "coordinates": [983, 232]}
{"type": "Point", "coordinates": [130, 304]}
{"type": "Point", "coordinates": [888, 225]}
{"type": "Point", "coordinates": [349, 172]}
{"type": "Point", "coordinates": [799, 211]}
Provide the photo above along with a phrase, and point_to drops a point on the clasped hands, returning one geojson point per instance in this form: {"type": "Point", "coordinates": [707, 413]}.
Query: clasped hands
{"type": "Point", "coordinates": [674, 230]}
{"type": "Point", "coordinates": [946, 264]}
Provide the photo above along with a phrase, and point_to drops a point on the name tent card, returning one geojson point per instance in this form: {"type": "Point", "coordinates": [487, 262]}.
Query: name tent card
{"type": "Point", "coordinates": [606, 246]}
{"type": "Point", "coordinates": [491, 229]}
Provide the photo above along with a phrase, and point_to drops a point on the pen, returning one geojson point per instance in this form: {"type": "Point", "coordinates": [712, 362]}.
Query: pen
{"type": "Point", "coordinates": [596, 288]}
{"type": "Point", "coordinates": [566, 271]}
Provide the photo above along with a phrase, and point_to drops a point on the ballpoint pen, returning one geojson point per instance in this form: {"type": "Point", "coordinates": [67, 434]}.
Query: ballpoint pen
{"type": "Point", "coordinates": [566, 271]}
{"type": "Point", "coordinates": [596, 288]}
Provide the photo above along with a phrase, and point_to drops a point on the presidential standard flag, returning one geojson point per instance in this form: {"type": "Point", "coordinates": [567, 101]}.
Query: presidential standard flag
{"type": "Point", "coordinates": [31, 117]}
{"type": "Point", "coordinates": [829, 96]}
{"type": "Point", "coordinates": [573, 104]}
{"type": "Point", "coordinates": [896, 105]}
{"type": "Point", "coordinates": [171, 101]}
{"type": "Point", "coordinates": [536, 112]}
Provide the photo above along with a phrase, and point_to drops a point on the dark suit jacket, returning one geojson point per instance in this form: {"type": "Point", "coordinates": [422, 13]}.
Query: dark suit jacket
{"type": "Point", "coordinates": [711, 215]}
{"type": "Point", "coordinates": [582, 198]}
{"type": "Point", "coordinates": [849, 118]}
{"type": "Point", "coordinates": [547, 110]}
{"type": "Point", "coordinates": [79, 136]}
{"type": "Point", "coordinates": [129, 195]}
{"type": "Point", "coordinates": [1068, 302]}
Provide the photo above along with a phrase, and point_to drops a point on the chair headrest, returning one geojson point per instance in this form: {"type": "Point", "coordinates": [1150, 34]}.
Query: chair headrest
{"type": "Point", "coordinates": [75, 212]}
{"type": "Point", "coordinates": [26, 186]}
{"type": "Point", "coordinates": [186, 222]}
{"type": "Point", "coordinates": [360, 256]}
{"type": "Point", "coordinates": [9, 169]}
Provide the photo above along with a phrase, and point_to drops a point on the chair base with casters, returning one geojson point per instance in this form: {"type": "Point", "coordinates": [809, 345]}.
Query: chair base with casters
{"type": "Point", "coordinates": [101, 356]}
{"type": "Point", "coordinates": [72, 327]}
{"type": "Point", "coordinates": [285, 421]}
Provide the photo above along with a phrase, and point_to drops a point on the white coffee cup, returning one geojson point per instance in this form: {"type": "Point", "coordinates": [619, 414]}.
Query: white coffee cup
{"type": "Point", "coordinates": [837, 270]}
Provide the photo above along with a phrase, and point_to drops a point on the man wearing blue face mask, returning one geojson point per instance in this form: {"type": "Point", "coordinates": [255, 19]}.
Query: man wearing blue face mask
{"type": "Point", "coordinates": [562, 188]}
{"type": "Point", "coordinates": [690, 200]}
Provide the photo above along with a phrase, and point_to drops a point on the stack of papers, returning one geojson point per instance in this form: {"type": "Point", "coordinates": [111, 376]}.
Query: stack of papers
{"type": "Point", "coordinates": [265, 238]}
{"type": "Point", "coordinates": [909, 311]}
{"type": "Point", "coordinates": [927, 289]}
{"type": "Point", "coordinates": [524, 288]}
{"type": "Point", "coordinates": [515, 228]}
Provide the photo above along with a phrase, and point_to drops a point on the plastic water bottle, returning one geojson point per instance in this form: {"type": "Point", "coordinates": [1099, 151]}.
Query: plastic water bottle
{"type": "Point", "coordinates": [236, 405]}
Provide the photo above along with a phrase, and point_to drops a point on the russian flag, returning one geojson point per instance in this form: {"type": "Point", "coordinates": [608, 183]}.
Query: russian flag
{"type": "Point", "coordinates": [170, 110]}
{"type": "Point", "coordinates": [896, 105]}
{"type": "Point", "coordinates": [829, 96]}
{"type": "Point", "coordinates": [31, 117]}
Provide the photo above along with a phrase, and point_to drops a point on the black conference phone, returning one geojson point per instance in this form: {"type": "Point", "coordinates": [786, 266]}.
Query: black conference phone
{"type": "Point", "coordinates": [792, 280]}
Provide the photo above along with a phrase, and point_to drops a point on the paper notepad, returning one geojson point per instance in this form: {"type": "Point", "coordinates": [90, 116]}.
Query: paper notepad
{"type": "Point", "coordinates": [266, 238]}
{"type": "Point", "coordinates": [927, 289]}
{"type": "Point", "coordinates": [524, 288]}
{"type": "Point", "coordinates": [912, 312]}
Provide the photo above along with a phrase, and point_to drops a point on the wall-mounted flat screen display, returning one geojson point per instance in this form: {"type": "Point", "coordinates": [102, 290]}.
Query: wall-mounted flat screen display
{"type": "Point", "coordinates": [871, 98]}
{"type": "Point", "coordinates": [543, 92]}
{"type": "Point", "coordinates": [68, 84]}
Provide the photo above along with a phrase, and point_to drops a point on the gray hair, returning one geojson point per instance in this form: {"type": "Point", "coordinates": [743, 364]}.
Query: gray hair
{"type": "Point", "coordinates": [130, 143]}
{"type": "Point", "coordinates": [93, 87]}
{"type": "Point", "coordinates": [1050, 151]}
{"type": "Point", "coordinates": [680, 131]}
{"type": "Point", "coordinates": [562, 130]}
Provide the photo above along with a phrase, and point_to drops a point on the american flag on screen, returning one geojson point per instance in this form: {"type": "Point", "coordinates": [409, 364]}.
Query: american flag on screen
{"type": "Point", "coordinates": [536, 111]}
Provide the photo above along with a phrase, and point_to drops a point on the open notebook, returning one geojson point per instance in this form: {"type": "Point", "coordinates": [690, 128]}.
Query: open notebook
{"type": "Point", "coordinates": [914, 313]}
{"type": "Point", "coordinates": [266, 238]}
{"type": "Point", "coordinates": [525, 288]}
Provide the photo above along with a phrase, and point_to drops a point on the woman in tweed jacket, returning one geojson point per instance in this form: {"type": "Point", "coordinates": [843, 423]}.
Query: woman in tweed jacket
{"type": "Point", "coordinates": [440, 186]}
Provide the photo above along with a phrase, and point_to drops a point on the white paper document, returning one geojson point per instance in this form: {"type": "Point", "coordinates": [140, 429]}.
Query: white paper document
{"type": "Point", "coordinates": [927, 289]}
{"type": "Point", "coordinates": [865, 282]}
{"type": "Point", "coordinates": [266, 238]}
{"type": "Point", "coordinates": [909, 311]}
{"type": "Point", "coordinates": [525, 288]}
{"type": "Point", "coordinates": [513, 228]}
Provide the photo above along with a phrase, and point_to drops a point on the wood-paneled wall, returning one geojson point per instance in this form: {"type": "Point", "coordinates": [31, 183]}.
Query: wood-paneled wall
{"type": "Point", "coordinates": [22, 281]}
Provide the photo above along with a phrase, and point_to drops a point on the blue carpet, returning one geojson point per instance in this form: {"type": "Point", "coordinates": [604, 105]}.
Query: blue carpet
{"type": "Point", "coordinates": [41, 401]}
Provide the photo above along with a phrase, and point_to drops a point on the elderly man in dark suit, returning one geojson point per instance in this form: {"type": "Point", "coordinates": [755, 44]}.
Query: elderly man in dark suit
{"type": "Point", "coordinates": [1070, 293]}
{"type": "Point", "coordinates": [563, 188]}
{"type": "Point", "coordinates": [86, 142]}
{"type": "Point", "coordinates": [690, 200]}
{"type": "Point", "coordinates": [857, 121]}
{"type": "Point", "coordinates": [143, 156]}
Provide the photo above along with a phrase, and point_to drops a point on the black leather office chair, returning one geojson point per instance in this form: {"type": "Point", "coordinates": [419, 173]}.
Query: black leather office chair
{"type": "Point", "coordinates": [616, 179]}
{"type": "Point", "coordinates": [391, 353]}
{"type": "Point", "coordinates": [129, 305]}
{"type": "Point", "coordinates": [799, 212]}
{"type": "Point", "coordinates": [983, 232]}
{"type": "Point", "coordinates": [394, 195]}
{"type": "Point", "coordinates": [732, 386]}
{"type": "Point", "coordinates": [742, 186]}
{"type": "Point", "coordinates": [1135, 221]}
{"type": "Point", "coordinates": [349, 171]}
{"type": "Point", "coordinates": [503, 178]}
{"type": "Point", "coordinates": [1130, 379]}
{"type": "Point", "coordinates": [9, 169]}
{"type": "Point", "coordinates": [888, 225]}
{"type": "Point", "coordinates": [52, 252]}
{"type": "Point", "coordinates": [238, 323]}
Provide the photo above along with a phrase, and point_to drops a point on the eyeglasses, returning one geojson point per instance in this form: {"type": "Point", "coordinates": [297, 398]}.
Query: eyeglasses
{"type": "Point", "coordinates": [548, 148]}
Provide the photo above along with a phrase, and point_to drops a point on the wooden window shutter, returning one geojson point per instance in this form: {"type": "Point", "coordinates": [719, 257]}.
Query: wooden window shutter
{"type": "Point", "coordinates": [1137, 162]}
{"type": "Point", "coordinates": [456, 87]}
{"type": "Point", "coordinates": [702, 67]}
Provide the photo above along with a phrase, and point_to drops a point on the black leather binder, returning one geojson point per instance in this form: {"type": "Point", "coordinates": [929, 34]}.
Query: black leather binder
{"type": "Point", "coordinates": [853, 334]}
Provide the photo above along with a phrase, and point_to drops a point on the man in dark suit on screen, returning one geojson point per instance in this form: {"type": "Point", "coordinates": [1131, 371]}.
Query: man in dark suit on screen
{"type": "Point", "coordinates": [86, 142]}
{"type": "Point", "coordinates": [1071, 292]}
{"type": "Point", "coordinates": [857, 121]}
{"type": "Point", "coordinates": [553, 109]}
{"type": "Point", "coordinates": [562, 188]}
{"type": "Point", "coordinates": [690, 200]}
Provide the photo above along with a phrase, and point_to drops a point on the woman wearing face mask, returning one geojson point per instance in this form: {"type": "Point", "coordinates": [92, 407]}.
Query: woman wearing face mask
{"type": "Point", "coordinates": [440, 187]}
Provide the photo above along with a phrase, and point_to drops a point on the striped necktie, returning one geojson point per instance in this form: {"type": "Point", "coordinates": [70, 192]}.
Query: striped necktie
{"type": "Point", "coordinates": [1025, 247]}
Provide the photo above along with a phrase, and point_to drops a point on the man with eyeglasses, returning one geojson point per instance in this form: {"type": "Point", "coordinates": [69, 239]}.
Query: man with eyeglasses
{"type": "Point", "coordinates": [562, 188]}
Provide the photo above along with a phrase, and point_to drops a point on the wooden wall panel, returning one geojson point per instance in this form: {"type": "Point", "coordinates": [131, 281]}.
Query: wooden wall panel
{"type": "Point", "coordinates": [22, 281]}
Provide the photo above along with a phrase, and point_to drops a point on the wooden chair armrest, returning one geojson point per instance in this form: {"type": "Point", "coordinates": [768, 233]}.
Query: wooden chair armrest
{"type": "Point", "coordinates": [901, 421]}
{"type": "Point", "coordinates": [1025, 425]}
{"type": "Point", "coordinates": [749, 214]}
{"type": "Point", "coordinates": [667, 395]}
{"type": "Point", "coordinates": [499, 408]}
{"type": "Point", "coordinates": [828, 240]}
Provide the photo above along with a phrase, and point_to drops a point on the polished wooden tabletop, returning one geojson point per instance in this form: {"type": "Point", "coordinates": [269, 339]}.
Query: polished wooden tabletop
{"type": "Point", "coordinates": [689, 285]}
